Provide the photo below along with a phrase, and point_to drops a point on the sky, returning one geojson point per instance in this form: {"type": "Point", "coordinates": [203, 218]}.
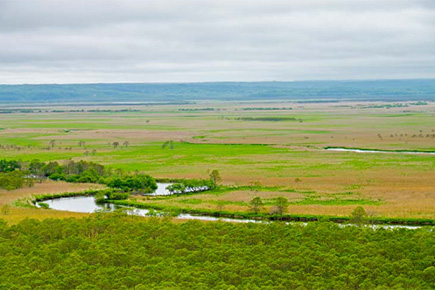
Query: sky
{"type": "Point", "coordinates": [88, 41]}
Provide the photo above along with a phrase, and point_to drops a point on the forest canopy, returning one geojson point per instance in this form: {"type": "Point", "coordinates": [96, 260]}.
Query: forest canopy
{"type": "Point", "coordinates": [116, 251]}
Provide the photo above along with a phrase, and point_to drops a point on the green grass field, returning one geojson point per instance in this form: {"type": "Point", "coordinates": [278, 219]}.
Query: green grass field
{"type": "Point", "coordinates": [266, 147]}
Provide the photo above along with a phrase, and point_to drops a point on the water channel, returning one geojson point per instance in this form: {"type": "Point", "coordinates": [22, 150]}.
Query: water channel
{"type": "Point", "coordinates": [87, 204]}
{"type": "Point", "coordinates": [378, 151]}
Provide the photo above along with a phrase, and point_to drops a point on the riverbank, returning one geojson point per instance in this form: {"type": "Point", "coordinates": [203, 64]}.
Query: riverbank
{"type": "Point", "coordinates": [266, 217]}
{"type": "Point", "coordinates": [160, 210]}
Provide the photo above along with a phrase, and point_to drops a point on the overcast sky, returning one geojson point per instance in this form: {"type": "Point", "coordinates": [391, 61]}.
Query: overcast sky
{"type": "Point", "coordinates": [83, 41]}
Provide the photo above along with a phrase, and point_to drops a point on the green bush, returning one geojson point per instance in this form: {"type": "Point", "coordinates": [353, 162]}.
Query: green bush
{"type": "Point", "coordinates": [44, 205]}
{"type": "Point", "coordinates": [11, 180]}
{"type": "Point", "coordinates": [117, 195]}
{"type": "Point", "coordinates": [140, 182]}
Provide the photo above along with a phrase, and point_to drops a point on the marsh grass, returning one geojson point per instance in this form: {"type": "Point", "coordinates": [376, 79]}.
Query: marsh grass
{"type": "Point", "coordinates": [275, 154]}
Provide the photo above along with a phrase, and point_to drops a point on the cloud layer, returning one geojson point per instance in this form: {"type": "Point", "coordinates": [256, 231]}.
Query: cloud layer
{"type": "Point", "coordinates": [63, 41]}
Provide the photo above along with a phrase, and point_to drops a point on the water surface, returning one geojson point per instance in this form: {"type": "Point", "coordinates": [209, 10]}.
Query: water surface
{"type": "Point", "coordinates": [87, 204]}
{"type": "Point", "coordinates": [378, 151]}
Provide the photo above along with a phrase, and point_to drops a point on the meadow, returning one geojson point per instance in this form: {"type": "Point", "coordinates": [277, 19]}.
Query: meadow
{"type": "Point", "coordinates": [261, 148]}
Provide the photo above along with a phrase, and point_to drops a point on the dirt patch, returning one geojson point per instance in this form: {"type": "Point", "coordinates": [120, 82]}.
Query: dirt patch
{"type": "Point", "coordinates": [142, 135]}
{"type": "Point", "coordinates": [29, 131]}
{"type": "Point", "coordinates": [247, 195]}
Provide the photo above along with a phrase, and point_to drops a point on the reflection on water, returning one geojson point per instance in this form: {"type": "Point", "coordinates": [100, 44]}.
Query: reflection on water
{"type": "Point", "coordinates": [161, 189]}
{"type": "Point", "coordinates": [88, 205]}
{"type": "Point", "coordinates": [77, 204]}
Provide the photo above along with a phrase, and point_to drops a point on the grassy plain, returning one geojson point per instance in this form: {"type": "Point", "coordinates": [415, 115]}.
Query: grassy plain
{"type": "Point", "coordinates": [281, 150]}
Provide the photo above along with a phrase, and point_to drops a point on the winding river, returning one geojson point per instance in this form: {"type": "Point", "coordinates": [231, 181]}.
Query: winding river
{"type": "Point", "coordinates": [87, 204]}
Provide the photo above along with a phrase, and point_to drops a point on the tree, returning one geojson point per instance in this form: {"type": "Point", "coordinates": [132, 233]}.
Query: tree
{"type": "Point", "coordinates": [168, 143]}
{"type": "Point", "coordinates": [256, 204]}
{"type": "Point", "coordinates": [280, 207]}
{"type": "Point", "coordinates": [215, 176]}
{"type": "Point", "coordinates": [115, 144]}
{"type": "Point", "coordinates": [50, 168]}
{"type": "Point", "coordinates": [126, 143]}
{"type": "Point", "coordinates": [358, 216]}
{"type": "Point", "coordinates": [15, 180]}
{"type": "Point", "coordinates": [52, 143]}
{"type": "Point", "coordinates": [9, 166]}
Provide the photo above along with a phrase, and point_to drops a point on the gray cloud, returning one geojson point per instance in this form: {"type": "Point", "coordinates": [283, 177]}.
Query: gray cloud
{"type": "Point", "coordinates": [46, 41]}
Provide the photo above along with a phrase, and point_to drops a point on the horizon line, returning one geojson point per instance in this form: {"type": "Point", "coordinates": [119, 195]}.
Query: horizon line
{"type": "Point", "coordinates": [217, 82]}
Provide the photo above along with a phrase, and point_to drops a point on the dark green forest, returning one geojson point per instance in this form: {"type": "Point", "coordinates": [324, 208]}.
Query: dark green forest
{"type": "Point", "coordinates": [388, 90]}
{"type": "Point", "coordinates": [116, 251]}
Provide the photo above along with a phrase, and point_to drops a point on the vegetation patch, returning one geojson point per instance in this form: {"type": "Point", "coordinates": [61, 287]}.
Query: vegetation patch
{"type": "Point", "coordinates": [270, 119]}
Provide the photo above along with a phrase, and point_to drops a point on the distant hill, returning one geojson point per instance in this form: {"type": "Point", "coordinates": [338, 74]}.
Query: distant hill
{"type": "Point", "coordinates": [389, 90]}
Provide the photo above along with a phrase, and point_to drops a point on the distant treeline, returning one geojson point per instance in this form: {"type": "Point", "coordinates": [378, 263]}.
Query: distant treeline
{"type": "Point", "coordinates": [266, 109]}
{"type": "Point", "coordinates": [11, 111]}
{"type": "Point", "coordinates": [388, 90]}
{"type": "Point", "coordinates": [317, 101]}
{"type": "Point", "coordinates": [269, 119]}
{"type": "Point", "coordinates": [30, 111]}
{"type": "Point", "coordinates": [388, 106]}
{"type": "Point", "coordinates": [198, 109]}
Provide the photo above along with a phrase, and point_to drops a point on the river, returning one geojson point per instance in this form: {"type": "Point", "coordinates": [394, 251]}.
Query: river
{"type": "Point", "coordinates": [378, 151]}
{"type": "Point", "coordinates": [86, 204]}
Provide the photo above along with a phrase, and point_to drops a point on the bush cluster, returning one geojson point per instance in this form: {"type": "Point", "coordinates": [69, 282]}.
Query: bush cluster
{"type": "Point", "coordinates": [15, 180]}
{"type": "Point", "coordinates": [191, 185]}
{"type": "Point", "coordinates": [81, 171]}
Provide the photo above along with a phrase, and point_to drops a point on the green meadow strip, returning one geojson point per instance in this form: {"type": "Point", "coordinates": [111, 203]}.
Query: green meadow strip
{"type": "Point", "coordinates": [263, 216]}
{"type": "Point", "coordinates": [43, 197]}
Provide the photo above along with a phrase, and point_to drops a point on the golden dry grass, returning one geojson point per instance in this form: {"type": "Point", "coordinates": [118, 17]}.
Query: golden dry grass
{"type": "Point", "coordinates": [15, 214]}
{"type": "Point", "coordinates": [46, 187]}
